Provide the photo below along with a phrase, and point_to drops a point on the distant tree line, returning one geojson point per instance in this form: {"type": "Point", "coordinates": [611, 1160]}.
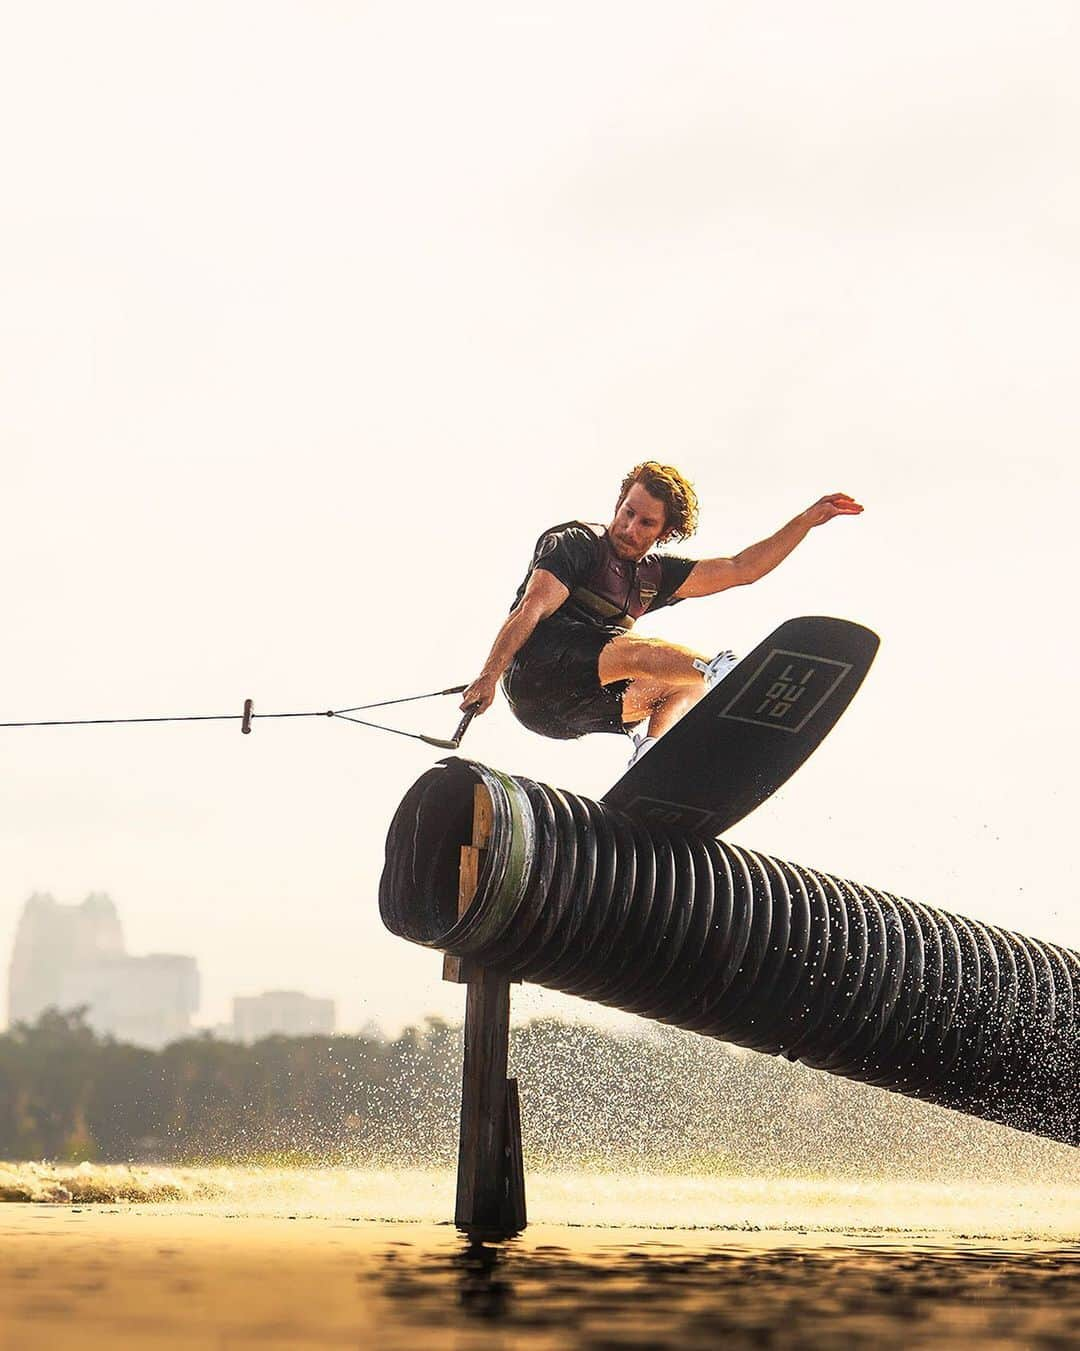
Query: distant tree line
{"type": "Point", "coordinates": [664, 1100]}
{"type": "Point", "coordinates": [69, 1093]}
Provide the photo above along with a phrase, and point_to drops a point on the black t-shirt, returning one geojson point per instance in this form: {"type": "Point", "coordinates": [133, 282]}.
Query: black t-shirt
{"type": "Point", "coordinates": [605, 590]}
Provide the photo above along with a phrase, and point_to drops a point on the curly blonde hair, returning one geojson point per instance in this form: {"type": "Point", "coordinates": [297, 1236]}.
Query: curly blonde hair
{"type": "Point", "coordinates": [668, 486]}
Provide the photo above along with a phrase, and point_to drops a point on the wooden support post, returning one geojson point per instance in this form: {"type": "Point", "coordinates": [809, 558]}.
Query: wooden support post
{"type": "Point", "coordinates": [482, 1173]}
{"type": "Point", "coordinates": [491, 1178]}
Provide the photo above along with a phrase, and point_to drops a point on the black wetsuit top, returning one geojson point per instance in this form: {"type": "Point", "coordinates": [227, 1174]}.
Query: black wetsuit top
{"type": "Point", "coordinates": [553, 684]}
{"type": "Point", "coordinates": [606, 591]}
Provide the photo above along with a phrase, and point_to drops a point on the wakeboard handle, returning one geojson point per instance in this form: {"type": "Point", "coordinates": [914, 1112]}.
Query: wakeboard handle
{"type": "Point", "coordinates": [462, 728]}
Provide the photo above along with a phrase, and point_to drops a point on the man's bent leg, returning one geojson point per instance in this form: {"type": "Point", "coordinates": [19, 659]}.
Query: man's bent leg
{"type": "Point", "coordinates": [664, 682]}
{"type": "Point", "coordinates": [629, 657]}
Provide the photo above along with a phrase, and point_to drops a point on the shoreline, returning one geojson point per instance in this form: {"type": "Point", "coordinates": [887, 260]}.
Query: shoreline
{"type": "Point", "coordinates": [960, 1208]}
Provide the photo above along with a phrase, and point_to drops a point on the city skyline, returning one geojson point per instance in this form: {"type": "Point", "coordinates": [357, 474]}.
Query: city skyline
{"type": "Point", "coordinates": [66, 957]}
{"type": "Point", "coordinates": [70, 956]}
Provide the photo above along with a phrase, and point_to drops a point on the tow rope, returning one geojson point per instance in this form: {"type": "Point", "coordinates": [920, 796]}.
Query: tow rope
{"type": "Point", "coordinates": [248, 716]}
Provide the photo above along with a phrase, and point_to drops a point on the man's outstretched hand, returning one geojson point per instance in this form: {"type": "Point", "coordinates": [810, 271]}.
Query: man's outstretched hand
{"type": "Point", "coordinates": [833, 504]}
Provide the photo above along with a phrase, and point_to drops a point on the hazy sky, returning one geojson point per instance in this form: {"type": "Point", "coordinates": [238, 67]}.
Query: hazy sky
{"type": "Point", "coordinates": [314, 315]}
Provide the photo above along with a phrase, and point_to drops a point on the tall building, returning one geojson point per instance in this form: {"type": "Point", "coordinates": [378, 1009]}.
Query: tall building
{"type": "Point", "coordinates": [284, 1011]}
{"type": "Point", "coordinates": [66, 956]}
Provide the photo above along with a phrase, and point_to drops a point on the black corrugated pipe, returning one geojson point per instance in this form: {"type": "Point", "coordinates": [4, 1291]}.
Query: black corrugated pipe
{"type": "Point", "coordinates": [718, 939]}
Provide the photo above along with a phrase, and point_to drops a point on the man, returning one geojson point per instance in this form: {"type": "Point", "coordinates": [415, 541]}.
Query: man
{"type": "Point", "coordinates": [565, 655]}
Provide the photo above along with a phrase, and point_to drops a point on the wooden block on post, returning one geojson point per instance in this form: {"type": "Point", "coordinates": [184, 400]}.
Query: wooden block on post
{"type": "Point", "coordinates": [483, 817]}
{"type": "Point", "coordinates": [455, 968]}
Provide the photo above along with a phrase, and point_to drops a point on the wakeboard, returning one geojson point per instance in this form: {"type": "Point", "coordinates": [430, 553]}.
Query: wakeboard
{"type": "Point", "coordinates": [752, 731]}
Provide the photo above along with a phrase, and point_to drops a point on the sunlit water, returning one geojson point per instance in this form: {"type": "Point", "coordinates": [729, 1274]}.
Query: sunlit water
{"type": "Point", "coordinates": [962, 1208]}
{"type": "Point", "coordinates": [603, 1200]}
{"type": "Point", "coordinates": [107, 1256]}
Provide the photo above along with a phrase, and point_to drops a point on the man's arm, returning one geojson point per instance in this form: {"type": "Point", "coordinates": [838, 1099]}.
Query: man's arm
{"type": "Point", "coordinates": [710, 575]}
{"type": "Point", "coordinates": [543, 596]}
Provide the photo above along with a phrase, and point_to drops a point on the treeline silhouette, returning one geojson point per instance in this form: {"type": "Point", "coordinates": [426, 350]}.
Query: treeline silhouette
{"type": "Point", "coordinates": [664, 1100]}
{"type": "Point", "coordinates": [68, 1093]}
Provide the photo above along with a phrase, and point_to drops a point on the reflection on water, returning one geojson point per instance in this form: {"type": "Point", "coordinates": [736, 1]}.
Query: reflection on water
{"type": "Point", "coordinates": [668, 1294]}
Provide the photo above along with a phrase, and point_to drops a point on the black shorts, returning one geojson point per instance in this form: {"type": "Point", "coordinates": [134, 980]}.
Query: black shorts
{"type": "Point", "coordinates": [553, 684]}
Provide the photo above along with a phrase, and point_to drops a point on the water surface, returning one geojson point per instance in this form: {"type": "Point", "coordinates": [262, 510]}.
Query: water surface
{"type": "Point", "coordinates": [233, 1257]}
